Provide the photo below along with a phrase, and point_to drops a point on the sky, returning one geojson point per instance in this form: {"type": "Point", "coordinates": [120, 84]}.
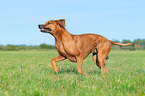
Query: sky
{"type": "Point", "coordinates": [113, 19]}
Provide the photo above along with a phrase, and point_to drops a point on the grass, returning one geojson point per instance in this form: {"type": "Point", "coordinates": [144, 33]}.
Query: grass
{"type": "Point", "coordinates": [29, 73]}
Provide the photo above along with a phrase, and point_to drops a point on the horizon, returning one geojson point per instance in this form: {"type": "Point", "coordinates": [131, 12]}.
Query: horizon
{"type": "Point", "coordinates": [54, 43]}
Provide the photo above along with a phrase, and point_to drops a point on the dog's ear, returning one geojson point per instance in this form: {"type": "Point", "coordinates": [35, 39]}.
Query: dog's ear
{"type": "Point", "coordinates": [61, 22]}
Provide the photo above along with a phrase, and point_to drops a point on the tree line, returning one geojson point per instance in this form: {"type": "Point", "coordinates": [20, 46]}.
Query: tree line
{"type": "Point", "coordinates": [139, 44]}
{"type": "Point", "coordinates": [25, 47]}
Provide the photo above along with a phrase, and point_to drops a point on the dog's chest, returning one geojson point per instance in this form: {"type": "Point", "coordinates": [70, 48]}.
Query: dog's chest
{"type": "Point", "coordinates": [63, 52]}
{"type": "Point", "coordinates": [60, 48]}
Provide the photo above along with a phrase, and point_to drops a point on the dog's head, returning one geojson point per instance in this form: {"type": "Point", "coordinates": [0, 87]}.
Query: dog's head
{"type": "Point", "coordinates": [52, 26]}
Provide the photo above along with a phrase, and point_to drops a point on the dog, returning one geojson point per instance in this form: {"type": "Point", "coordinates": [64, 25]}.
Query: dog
{"type": "Point", "coordinates": [77, 47]}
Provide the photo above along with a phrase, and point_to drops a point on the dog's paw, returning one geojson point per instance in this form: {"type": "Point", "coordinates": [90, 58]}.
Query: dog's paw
{"type": "Point", "coordinates": [56, 71]}
{"type": "Point", "coordinates": [84, 73]}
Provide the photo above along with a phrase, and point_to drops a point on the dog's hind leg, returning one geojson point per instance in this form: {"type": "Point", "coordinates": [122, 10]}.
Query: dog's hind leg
{"type": "Point", "coordinates": [53, 60]}
{"type": "Point", "coordinates": [95, 56]}
{"type": "Point", "coordinates": [95, 59]}
{"type": "Point", "coordinates": [103, 51]}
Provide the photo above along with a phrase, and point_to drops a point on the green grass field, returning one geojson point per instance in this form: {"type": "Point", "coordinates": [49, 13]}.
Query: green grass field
{"type": "Point", "coordinates": [29, 73]}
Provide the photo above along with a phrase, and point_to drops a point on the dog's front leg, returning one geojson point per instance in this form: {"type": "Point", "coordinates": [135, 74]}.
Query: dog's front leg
{"type": "Point", "coordinates": [53, 60]}
{"type": "Point", "coordinates": [79, 64]}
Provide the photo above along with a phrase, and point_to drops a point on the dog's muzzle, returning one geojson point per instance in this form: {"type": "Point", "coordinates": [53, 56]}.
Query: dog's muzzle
{"type": "Point", "coordinates": [43, 29]}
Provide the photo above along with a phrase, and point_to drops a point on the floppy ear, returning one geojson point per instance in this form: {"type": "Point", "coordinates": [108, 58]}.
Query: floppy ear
{"type": "Point", "coordinates": [61, 22]}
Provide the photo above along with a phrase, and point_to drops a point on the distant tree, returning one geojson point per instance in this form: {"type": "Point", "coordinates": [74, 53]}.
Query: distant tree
{"type": "Point", "coordinates": [24, 47]}
{"type": "Point", "coordinates": [1, 47]}
{"type": "Point", "coordinates": [139, 44]}
{"type": "Point", "coordinates": [44, 46]}
{"type": "Point", "coordinates": [138, 41]}
{"type": "Point", "coordinates": [10, 47]}
{"type": "Point", "coordinates": [143, 43]}
{"type": "Point", "coordinates": [126, 41]}
{"type": "Point", "coordinates": [36, 47]}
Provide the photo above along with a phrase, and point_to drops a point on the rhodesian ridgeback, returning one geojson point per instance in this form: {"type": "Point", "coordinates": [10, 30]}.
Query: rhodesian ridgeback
{"type": "Point", "coordinates": [78, 47]}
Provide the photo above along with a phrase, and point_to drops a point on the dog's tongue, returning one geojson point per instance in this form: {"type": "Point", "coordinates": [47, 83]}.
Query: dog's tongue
{"type": "Point", "coordinates": [42, 29]}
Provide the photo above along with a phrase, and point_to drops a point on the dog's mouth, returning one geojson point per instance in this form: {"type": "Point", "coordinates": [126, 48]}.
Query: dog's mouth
{"type": "Point", "coordinates": [45, 30]}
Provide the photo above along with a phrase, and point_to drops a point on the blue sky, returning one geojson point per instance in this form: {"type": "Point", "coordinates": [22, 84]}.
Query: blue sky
{"type": "Point", "coordinates": [113, 19]}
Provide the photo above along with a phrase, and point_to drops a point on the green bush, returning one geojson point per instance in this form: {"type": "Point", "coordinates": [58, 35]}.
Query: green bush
{"type": "Point", "coordinates": [10, 47]}
{"type": "Point", "coordinates": [1, 47]}
{"type": "Point", "coordinates": [132, 49]}
{"type": "Point", "coordinates": [44, 46]}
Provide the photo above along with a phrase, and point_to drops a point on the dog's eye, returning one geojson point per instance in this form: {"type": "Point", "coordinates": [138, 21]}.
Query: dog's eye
{"type": "Point", "coordinates": [48, 23]}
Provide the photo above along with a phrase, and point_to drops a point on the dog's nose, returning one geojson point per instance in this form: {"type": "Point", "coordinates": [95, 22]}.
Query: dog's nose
{"type": "Point", "coordinates": [40, 26]}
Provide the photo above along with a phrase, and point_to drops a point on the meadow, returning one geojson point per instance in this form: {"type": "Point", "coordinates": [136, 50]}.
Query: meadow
{"type": "Point", "coordinates": [29, 73]}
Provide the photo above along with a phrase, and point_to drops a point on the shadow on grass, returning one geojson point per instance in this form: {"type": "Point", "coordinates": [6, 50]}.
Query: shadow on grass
{"type": "Point", "coordinates": [97, 71]}
{"type": "Point", "coordinates": [74, 71]}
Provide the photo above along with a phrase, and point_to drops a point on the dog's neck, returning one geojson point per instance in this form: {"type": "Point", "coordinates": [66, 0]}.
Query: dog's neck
{"type": "Point", "coordinates": [61, 34]}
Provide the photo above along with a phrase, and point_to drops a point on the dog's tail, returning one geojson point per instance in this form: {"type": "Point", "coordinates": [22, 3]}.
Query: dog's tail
{"type": "Point", "coordinates": [112, 42]}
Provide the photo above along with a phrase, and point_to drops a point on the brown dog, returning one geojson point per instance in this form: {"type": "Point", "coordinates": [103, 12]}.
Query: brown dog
{"type": "Point", "coordinates": [78, 47]}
